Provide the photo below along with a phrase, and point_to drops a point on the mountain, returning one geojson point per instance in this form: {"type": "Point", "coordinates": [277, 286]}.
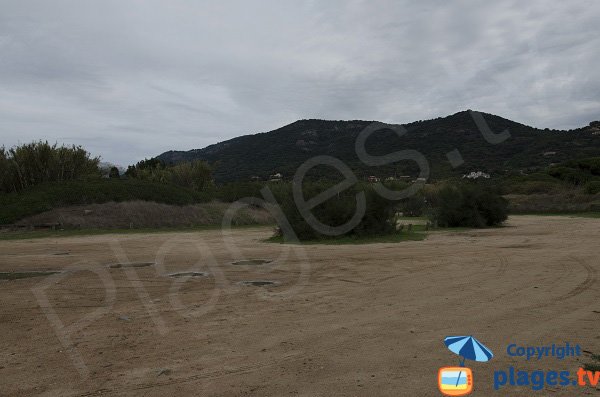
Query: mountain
{"type": "Point", "coordinates": [284, 149]}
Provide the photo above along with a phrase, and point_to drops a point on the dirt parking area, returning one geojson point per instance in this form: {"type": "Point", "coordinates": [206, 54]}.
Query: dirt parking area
{"type": "Point", "coordinates": [362, 320]}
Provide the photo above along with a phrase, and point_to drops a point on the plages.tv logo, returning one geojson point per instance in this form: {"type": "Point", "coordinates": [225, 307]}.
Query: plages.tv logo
{"type": "Point", "coordinates": [458, 381]}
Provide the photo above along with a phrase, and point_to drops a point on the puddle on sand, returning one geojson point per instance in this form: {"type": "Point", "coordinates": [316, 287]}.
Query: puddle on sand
{"type": "Point", "coordinates": [188, 274]}
{"type": "Point", "coordinates": [253, 262]}
{"type": "Point", "coordinates": [18, 275]}
{"type": "Point", "coordinates": [258, 283]}
{"type": "Point", "coordinates": [132, 264]}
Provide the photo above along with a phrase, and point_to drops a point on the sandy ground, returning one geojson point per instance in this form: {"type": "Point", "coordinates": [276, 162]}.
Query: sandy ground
{"type": "Point", "coordinates": [365, 320]}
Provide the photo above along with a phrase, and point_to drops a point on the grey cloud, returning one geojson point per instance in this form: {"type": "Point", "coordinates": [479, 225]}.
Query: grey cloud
{"type": "Point", "coordinates": [133, 79]}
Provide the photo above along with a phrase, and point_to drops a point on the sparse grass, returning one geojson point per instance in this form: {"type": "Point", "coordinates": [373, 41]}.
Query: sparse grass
{"type": "Point", "coordinates": [412, 218]}
{"type": "Point", "coordinates": [35, 234]}
{"type": "Point", "coordinates": [460, 229]}
{"type": "Point", "coordinates": [594, 366]}
{"type": "Point", "coordinates": [18, 275]}
{"type": "Point", "coordinates": [417, 234]}
{"type": "Point", "coordinates": [571, 214]}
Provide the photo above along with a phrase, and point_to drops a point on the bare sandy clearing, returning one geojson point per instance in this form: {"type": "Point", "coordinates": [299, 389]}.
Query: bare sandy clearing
{"type": "Point", "coordinates": [366, 320]}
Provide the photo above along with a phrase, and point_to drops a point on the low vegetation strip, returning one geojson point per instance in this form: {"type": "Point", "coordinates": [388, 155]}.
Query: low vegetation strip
{"type": "Point", "coordinates": [553, 203]}
{"type": "Point", "coordinates": [144, 214]}
{"type": "Point", "coordinates": [417, 234]}
{"type": "Point", "coordinates": [48, 196]}
{"type": "Point", "coordinates": [38, 234]}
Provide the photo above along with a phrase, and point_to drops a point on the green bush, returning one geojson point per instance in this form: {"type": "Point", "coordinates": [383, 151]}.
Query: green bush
{"type": "Point", "coordinates": [336, 211]}
{"type": "Point", "coordinates": [577, 172]}
{"type": "Point", "coordinates": [592, 187]}
{"type": "Point", "coordinates": [413, 206]}
{"type": "Point", "coordinates": [468, 205]}
{"type": "Point", "coordinates": [234, 191]}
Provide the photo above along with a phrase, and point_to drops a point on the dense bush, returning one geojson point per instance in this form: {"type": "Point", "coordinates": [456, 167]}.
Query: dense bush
{"type": "Point", "coordinates": [592, 187]}
{"type": "Point", "coordinates": [468, 205]}
{"type": "Point", "coordinates": [577, 172]}
{"type": "Point", "coordinates": [14, 206]}
{"type": "Point", "coordinates": [194, 175]}
{"type": "Point", "coordinates": [573, 176]}
{"type": "Point", "coordinates": [24, 166]}
{"type": "Point", "coordinates": [414, 205]}
{"type": "Point", "coordinates": [234, 191]}
{"type": "Point", "coordinates": [338, 210]}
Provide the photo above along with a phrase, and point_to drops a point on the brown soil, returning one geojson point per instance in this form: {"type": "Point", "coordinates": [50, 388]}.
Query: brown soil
{"type": "Point", "coordinates": [365, 320]}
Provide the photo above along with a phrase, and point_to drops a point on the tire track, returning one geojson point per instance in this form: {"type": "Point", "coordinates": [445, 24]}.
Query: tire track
{"type": "Point", "coordinates": [591, 277]}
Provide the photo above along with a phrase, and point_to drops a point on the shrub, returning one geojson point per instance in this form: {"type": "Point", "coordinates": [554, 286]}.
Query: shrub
{"type": "Point", "coordinates": [234, 191]}
{"type": "Point", "coordinates": [413, 206]}
{"type": "Point", "coordinates": [114, 172]}
{"type": "Point", "coordinates": [469, 205]}
{"type": "Point", "coordinates": [336, 211]}
{"type": "Point", "coordinates": [577, 172]}
{"type": "Point", "coordinates": [592, 187]}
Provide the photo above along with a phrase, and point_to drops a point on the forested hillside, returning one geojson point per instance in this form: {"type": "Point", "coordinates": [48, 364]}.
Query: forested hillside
{"type": "Point", "coordinates": [283, 150]}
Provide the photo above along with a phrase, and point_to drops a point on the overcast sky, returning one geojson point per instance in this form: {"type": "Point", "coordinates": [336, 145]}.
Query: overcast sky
{"type": "Point", "coordinates": [131, 79]}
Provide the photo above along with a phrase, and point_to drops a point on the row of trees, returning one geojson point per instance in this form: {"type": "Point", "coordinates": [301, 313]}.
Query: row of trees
{"type": "Point", "coordinates": [25, 166]}
{"type": "Point", "coordinates": [28, 165]}
{"type": "Point", "coordinates": [196, 175]}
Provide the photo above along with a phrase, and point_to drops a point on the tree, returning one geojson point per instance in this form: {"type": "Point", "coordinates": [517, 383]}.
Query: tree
{"type": "Point", "coordinates": [31, 164]}
{"type": "Point", "coordinates": [196, 175]}
{"type": "Point", "coordinates": [114, 172]}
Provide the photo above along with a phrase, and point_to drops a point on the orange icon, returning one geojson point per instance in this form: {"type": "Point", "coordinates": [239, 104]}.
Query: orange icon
{"type": "Point", "coordinates": [455, 381]}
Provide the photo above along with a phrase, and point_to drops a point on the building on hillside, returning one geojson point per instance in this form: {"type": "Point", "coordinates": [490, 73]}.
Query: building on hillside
{"type": "Point", "coordinates": [476, 175]}
{"type": "Point", "coordinates": [277, 177]}
{"type": "Point", "coordinates": [373, 179]}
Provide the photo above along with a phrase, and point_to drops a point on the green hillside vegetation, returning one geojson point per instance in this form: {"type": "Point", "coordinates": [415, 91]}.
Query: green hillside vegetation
{"type": "Point", "coordinates": [39, 177]}
{"type": "Point", "coordinates": [577, 174]}
{"type": "Point", "coordinates": [527, 150]}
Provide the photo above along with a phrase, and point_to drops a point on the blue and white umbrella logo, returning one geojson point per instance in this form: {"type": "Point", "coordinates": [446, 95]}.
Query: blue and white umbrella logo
{"type": "Point", "coordinates": [468, 348]}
